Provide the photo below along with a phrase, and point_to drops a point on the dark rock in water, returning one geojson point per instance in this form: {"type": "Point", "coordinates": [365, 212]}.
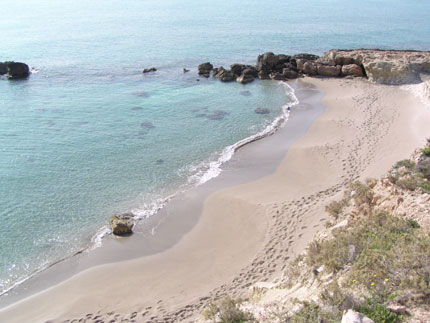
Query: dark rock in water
{"type": "Point", "coordinates": [159, 161]}
{"type": "Point", "coordinates": [267, 61]}
{"type": "Point", "coordinates": [147, 125]}
{"type": "Point", "coordinates": [352, 69]}
{"type": "Point", "coordinates": [198, 80]}
{"type": "Point", "coordinates": [148, 70]}
{"type": "Point", "coordinates": [186, 70]}
{"type": "Point", "coordinates": [291, 66]}
{"type": "Point", "coordinates": [308, 57]}
{"type": "Point", "coordinates": [262, 111]}
{"type": "Point", "coordinates": [263, 75]}
{"type": "Point", "coordinates": [245, 93]}
{"type": "Point", "coordinates": [141, 94]}
{"type": "Point", "coordinates": [290, 74]}
{"type": "Point", "coordinates": [225, 75]}
{"type": "Point", "coordinates": [122, 224]}
{"type": "Point", "coordinates": [217, 115]}
{"type": "Point", "coordinates": [3, 68]}
{"type": "Point", "coordinates": [237, 69]}
{"type": "Point", "coordinates": [248, 75]}
{"type": "Point", "coordinates": [205, 69]}
{"type": "Point", "coordinates": [14, 70]}
{"type": "Point", "coordinates": [327, 70]}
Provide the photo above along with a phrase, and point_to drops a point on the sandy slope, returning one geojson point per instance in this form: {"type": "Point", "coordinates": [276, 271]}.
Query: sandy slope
{"type": "Point", "coordinates": [246, 233]}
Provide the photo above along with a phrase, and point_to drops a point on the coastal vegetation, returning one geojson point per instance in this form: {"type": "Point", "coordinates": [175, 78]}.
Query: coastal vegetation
{"type": "Point", "coordinates": [369, 259]}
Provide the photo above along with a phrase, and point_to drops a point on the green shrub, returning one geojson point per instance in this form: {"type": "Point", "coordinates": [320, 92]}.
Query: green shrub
{"type": "Point", "coordinates": [407, 163]}
{"type": "Point", "coordinates": [336, 207]}
{"type": "Point", "coordinates": [378, 313]}
{"type": "Point", "coordinates": [226, 311]}
{"type": "Point", "coordinates": [408, 182]}
{"type": "Point", "coordinates": [363, 194]}
{"type": "Point", "coordinates": [423, 167]}
{"type": "Point", "coordinates": [312, 313]}
{"type": "Point", "coordinates": [426, 151]}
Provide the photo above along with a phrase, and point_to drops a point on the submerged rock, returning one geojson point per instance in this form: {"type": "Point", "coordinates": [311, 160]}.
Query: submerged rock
{"type": "Point", "coordinates": [147, 125]}
{"type": "Point", "coordinates": [122, 224]}
{"type": "Point", "coordinates": [186, 70]}
{"type": "Point", "coordinates": [262, 111]}
{"type": "Point", "coordinates": [217, 115]}
{"type": "Point", "coordinates": [148, 70]}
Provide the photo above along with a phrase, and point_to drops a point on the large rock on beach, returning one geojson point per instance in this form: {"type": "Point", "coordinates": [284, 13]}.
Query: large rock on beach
{"type": "Point", "coordinates": [122, 224]}
{"type": "Point", "coordinates": [247, 76]}
{"type": "Point", "coordinates": [205, 69]}
{"type": "Point", "coordinates": [289, 73]}
{"type": "Point", "coordinates": [328, 70]}
{"type": "Point", "coordinates": [307, 67]}
{"type": "Point", "coordinates": [352, 70]}
{"type": "Point", "coordinates": [267, 61]}
{"type": "Point", "coordinates": [237, 69]}
{"type": "Point", "coordinates": [14, 70]}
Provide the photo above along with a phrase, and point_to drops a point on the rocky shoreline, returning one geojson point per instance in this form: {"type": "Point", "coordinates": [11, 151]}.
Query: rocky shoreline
{"type": "Point", "coordinates": [380, 66]}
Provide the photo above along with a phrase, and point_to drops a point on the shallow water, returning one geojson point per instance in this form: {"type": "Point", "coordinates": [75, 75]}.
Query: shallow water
{"type": "Point", "coordinates": [89, 135]}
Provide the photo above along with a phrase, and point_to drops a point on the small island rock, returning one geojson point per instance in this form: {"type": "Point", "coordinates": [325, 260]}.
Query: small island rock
{"type": "Point", "coordinates": [122, 224]}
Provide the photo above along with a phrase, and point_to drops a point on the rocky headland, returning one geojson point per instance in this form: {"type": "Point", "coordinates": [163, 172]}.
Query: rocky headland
{"type": "Point", "coordinates": [380, 66]}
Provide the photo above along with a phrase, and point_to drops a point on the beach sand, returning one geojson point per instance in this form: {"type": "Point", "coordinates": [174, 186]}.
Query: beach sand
{"type": "Point", "coordinates": [246, 233]}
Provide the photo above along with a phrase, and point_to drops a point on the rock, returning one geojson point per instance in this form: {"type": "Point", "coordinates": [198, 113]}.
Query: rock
{"type": "Point", "coordinates": [393, 72]}
{"type": "Point", "coordinates": [267, 61]}
{"type": "Point", "coordinates": [186, 70]}
{"type": "Point", "coordinates": [3, 68]}
{"type": "Point", "coordinates": [282, 59]}
{"type": "Point", "coordinates": [291, 66]}
{"type": "Point", "coordinates": [351, 316]}
{"type": "Point", "coordinates": [398, 309]}
{"type": "Point", "coordinates": [122, 224]}
{"type": "Point", "coordinates": [307, 57]}
{"type": "Point", "coordinates": [262, 111]}
{"type": "Point", "coordinates": [307, 67]}
{"type": "Point", "coordinates": [205, 69]}
{"type": "Point", "coordinates": [217, 115]}
{"type": "Point", "coordinates": [225, 75]}
{"type": "Point", "coordinates": [248, 75]}
{"type": "Point", "coordinates": [14, 70]}
{"type": "Point", "coordinates": [327, 70]}
{"type": "Point", "coordinates": [263, 75]}
{"type": "Point", "coordinates": [277, 76]}
{"type": "Point", "coordinates": [149, 70]}
{"type": "Point", "coordinates": [290, 74]}
{"type": "Point", "coordinates": [352, 69]}
{"type": "Point", "coordinates": [237, 69]}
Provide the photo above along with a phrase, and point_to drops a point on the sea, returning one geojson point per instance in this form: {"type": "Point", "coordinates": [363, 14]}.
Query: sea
{"type": "Point", "coordinates": [88, 135]}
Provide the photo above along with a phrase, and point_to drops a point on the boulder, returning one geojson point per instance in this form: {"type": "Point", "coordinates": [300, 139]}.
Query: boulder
{"type": "Point", "coordinates": [307, 67]}
{"type": "Point", "coordinates": [149, 70]}
{"type": "Point", "coordinates": [224, 75]}
{"type": "Point", "coordinates": [267, 61]}
{"type": "Point", "coordinates": [277, 76]}
{"type": "Point", "coordinates": [282, 59]}
{"type": "Point", "coordinates": [263, 75]}
{"type": "Point", "coordinates": [390, 72]}
{"type": "Point", "coordinates": [290, 74]}
{"type": "Point", "coordinates": [237, 69]}
{"type": "Point", "coordinates": [351, 316]}
{"type": "Point", "coordinates": [205, 69]}
{"type": "Point", "coordinates": [186, 70]}
{"type": "Point", "coordinates": [291, 66]}
{"type": "Point", "coordinates": [352, 69]}
{"type": "Point", "coordinates": [122, 224]}
{"type": "Point", "coordinates": [307, 57]}
{"type": "Point", "coordinates": [327, 70]}
{"type": "Point", "coordinates": [248, 75]}
{"type": "Point", "coordinates": [14, 70]}
{"type": "Point", "coordinates": [344, 60]}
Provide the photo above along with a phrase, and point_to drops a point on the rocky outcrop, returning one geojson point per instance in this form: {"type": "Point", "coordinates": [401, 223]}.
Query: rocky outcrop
{"type": "Point", "coordinates": [352, 70]}
{"type": "Point", "coordinates": [205, 69]}
{"type": "Point", "coordinates": [122, 224]}
{"type": "Point", "coordinates": [248, 75]}
{"type": "Point", "coordinates": [224, 75]}
{"type": "Point", "coordinates": [327, 70]}
{"type": "Point", "coordinates": [14, 70]}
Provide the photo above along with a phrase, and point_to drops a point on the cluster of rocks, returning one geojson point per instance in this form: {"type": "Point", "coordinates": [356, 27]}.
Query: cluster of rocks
{"type": "Point", "coordinates": [149, 70]}
{"type": "Point", "coordinates": [282, 67]}
{"type": "Point", "coordinates": [379, 66]}
{"type": "Point", "coordinates": [14, 70]}
{"type": "Point", "coordinates": [122, 224]}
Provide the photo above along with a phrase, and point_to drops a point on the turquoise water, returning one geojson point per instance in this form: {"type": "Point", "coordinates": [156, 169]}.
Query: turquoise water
{"type": "Point", "coordinates": [88, 135]}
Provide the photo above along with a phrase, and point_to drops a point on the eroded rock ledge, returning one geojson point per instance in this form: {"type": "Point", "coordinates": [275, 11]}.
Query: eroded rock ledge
{"type": "Point", "coordinates": [379, 66]}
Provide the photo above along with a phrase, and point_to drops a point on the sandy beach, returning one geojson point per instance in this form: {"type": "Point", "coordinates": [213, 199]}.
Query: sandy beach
{"type": "Point", "coordinates": [246, 233]}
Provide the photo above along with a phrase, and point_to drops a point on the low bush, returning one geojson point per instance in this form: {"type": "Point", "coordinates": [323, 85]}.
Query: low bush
{"type": "Point", "coordinates": [226, 311]}
{"type": "Point", "coordinates": [311, 312]}
{"type": "Point", "coordinates": [378, 313]}
{"type": "Point", "coordinates": [336, 207]}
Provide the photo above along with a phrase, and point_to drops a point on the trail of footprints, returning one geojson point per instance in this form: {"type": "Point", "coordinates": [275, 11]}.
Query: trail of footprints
{"type": "Point", "coordinates": [286, 220]}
